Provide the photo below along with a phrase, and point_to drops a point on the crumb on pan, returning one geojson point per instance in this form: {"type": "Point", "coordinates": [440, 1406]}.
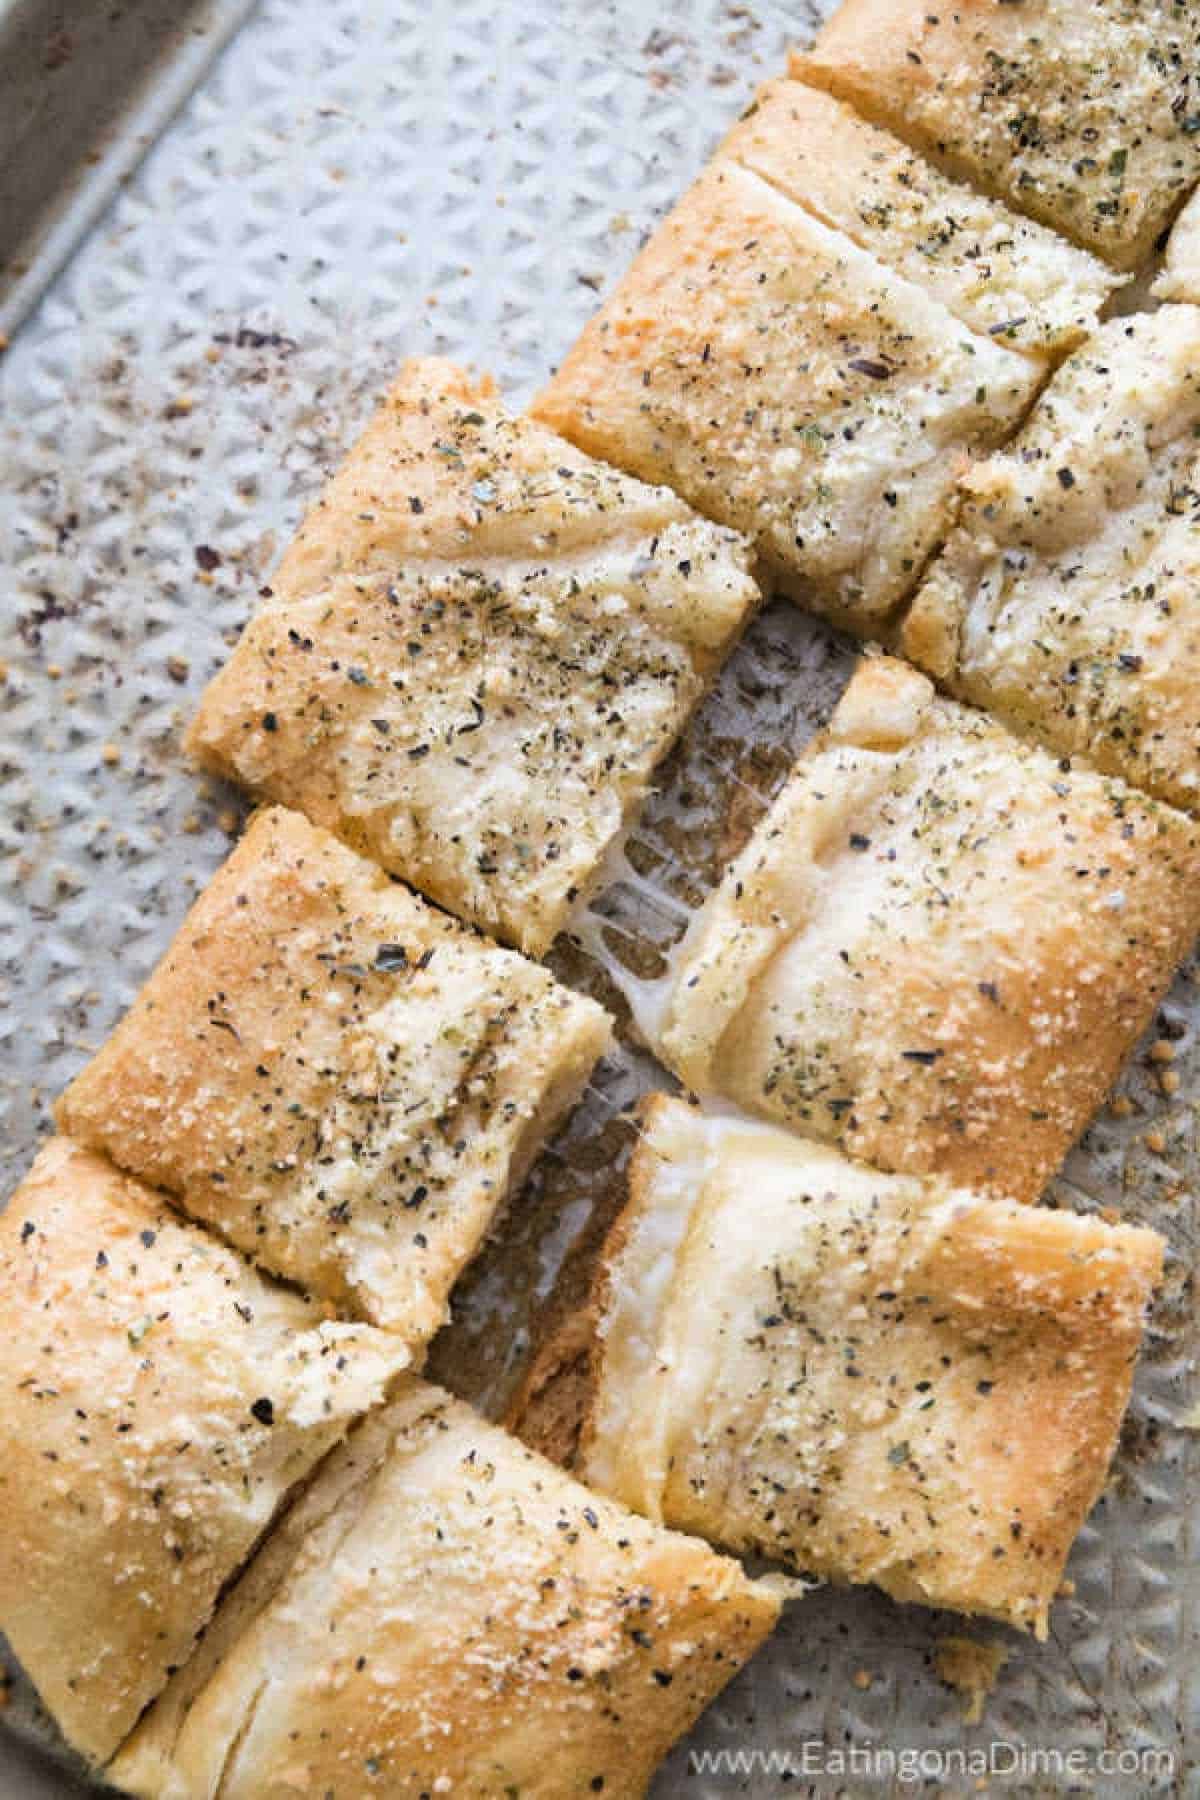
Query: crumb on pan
{"type": "Point", "coordinates": [971, 1668]}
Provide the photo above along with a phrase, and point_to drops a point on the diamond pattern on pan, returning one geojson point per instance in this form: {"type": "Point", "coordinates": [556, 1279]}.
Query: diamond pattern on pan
{"type": "Point", "coordinates": [353, 183]}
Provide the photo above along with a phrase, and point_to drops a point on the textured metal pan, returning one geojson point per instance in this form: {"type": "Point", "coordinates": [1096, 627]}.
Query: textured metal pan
{"type": "Point", "coordinates": [356, 180]}
{"type": "Point", "coordinates": [84, 91]}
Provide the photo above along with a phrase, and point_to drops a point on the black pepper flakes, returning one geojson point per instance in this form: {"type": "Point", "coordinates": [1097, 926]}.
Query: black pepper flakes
{"type": "Point", "coordinates": [867, 365]}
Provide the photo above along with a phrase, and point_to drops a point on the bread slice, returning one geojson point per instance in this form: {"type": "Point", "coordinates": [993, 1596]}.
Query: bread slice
{"type": "Point", "coordinates": [1179, 277]}
{"type": "Point", "coordinates": [1067, 600]}
{"type": "Point", "coordinates": [1001, 274]}
{"type": "Point", "coordinates": [1083, 116]}
{"type": "Point", "coordinates": [158, 1401]}
{"type": "Point", "coordinates": [478, 647]}
{"type": "Point", "coordinates": [938, 946]}
{"type": "Point", "coordinates": [866, 1377]}
{"type": "Point", "coordinates": [446, 1612]}
{"type": "Point", "coordinates": [789, 383]}
{"type": "Point", "coordinates": [343, 1081]}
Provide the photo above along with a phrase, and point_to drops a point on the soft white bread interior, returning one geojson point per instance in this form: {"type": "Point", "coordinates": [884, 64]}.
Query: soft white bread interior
{"type": "Point", "coordinates": [1179, 277]}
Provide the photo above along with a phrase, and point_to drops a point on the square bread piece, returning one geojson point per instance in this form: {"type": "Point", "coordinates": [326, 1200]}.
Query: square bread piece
{"type": "Point", "coordinates": [447, 1612]}
{"type": "Point", "coordinates": [343, 1081]}
{"type": "Point", "coordinates": [1179, 277]}
{"type": "Point", "coordinates": [787, 382]}
{"type": "Point", "coordinates": [1067, 600]}
{"type": "Point", "coordinates": [480, 644]}
{"type": "Point", "coordinates": [938, 946]}
{"type": "Point", "coordinates": [1081, 113]}
{"type": "Point", "coordinates": [871, 1378]}
{"type": "Point", "coordinates": [1003, 275]}
{"type": "Point", "coordinates": [159, 1399]}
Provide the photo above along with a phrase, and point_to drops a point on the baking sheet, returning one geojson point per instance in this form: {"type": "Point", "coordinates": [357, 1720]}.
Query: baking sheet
{"type": "Point", "coordinates": [353, 182]}
{"type": "Point", "coordinates": [84, 91]}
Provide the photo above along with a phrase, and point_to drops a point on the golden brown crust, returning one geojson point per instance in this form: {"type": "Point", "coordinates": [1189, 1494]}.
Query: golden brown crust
{"type": "Point", "coordinates": [1067, 599]}
{"type": "Point", "coordinates": [553, 1398]}
{"type": "Point", "coordinates": [789, 384]}
{"type": "Point", "coordinates": [453, 1614]}
{"type": "Point", "coordinates": [1079, 115]}
{"type": "Point", "coordinates": [158, 1400]}
{"type": "Point", "coordinates": [872, 1378]}
{"type": "Point", "coordinates": [939, 945]}
{"type": "Point", "coordinates": [1003, 275]}
{"type": "Point", "coordinates": [342, 1080]}
{"type": "Point", "coordinates": [479, 646]}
